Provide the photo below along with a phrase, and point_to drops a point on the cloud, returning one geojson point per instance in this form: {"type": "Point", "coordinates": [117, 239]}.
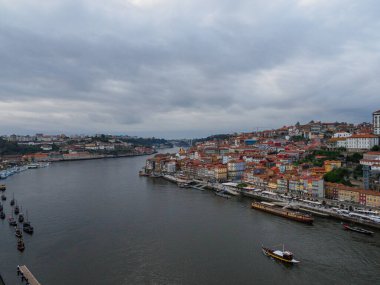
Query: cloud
{"type": "Point", "coordinates": [171, 68]}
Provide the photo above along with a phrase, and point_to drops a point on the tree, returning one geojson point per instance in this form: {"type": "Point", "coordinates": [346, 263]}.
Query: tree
{"type": "Point", "coordinates": [338, 175]}
{"type": "Point", "coordinates": [375, 148]}
{"type": "Point", "coordinates": [356, 157]}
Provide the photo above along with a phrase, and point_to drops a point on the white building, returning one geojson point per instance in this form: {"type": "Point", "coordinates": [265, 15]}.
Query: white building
{"type": "Point", "coordinates": [376, 122]}
{"type": "Point", "coordinates": [342, 135]}
{"type": "Point", "coordinates": [362, 141]}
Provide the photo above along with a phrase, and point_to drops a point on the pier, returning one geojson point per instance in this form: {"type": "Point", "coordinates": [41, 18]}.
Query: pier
{"type": "Point", "coordinates": [27, 275]}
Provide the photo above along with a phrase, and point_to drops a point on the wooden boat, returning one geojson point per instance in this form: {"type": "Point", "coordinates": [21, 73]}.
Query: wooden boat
{"type": "Point", "coordinates": [12, 221]}
{"type": "Point", "coordinates": [27, 227]}
{"type": "Point", "coordinates": [358, 230]}
{"type": "Point", "coordinates": [13, 200]}
{"type": "Point", "coordinates": [16, 210]}
{"type": "Point", "coordinates": [282, 212]}
{"type": "Point", "coordinates": [20, 244]}
{"type": "Point", "coordinates": [18, 233]}
{"type": "Point", "coordinates": [281, 255]}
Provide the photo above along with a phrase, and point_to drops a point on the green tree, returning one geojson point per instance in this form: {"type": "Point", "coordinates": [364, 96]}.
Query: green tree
{"type": "Point", "coordinates": [356, 157]}
{"type": "Point", "coordinates": [375, 148]}
{"type": "Point", "coordinates": [338, 175]}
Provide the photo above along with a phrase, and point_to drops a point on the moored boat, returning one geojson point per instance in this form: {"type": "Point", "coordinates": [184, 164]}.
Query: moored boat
{"type": "Point", "coordinates": [282, 212]}
{"type": "Point", "coordinates": [358, 230]}
{"type": "Point", "coordinates": [12, 221]}
{"type": "Point", "coordinates": [20, 244]}
{"type": "Point", "coordinates": [18, 233]}
{"type": "Point", "coordinates": [27, 227]}
{"type": "Point", "coordinates": [281, 255]}
{"type": "Point", "coordinates": [3, 197]}
{"type": "Point", "coordinates": [222, 194]}
{"type": "Point", "coordinates": [16, 210]}
{"type": "Point", "coordinates": [2, 215]}
{"type": "Point", "coordinates": [12, 203]}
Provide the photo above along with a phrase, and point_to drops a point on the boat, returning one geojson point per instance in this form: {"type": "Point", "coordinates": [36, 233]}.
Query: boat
{"type": "Point", "coordinates": [1, 207]}
{"type": "Point", "coordinates": [357, 229]}
{"type": "Point", "coordinates": [281, 255]}
{"type": "Point", "coordinates": [27, 227]}
{"type": "Point", "coordinates": [12, 203]}
{"type": "Point", "coordinates": [12, 221]}
{"type": "Point", "coordinates": [2, 215]}
{"type": "Point", "coordinates": [3, 197]}
{"type": "Point", "coordinates": [222, 194]}
{"type": "Point", "coordinates": [16, 210]}
{"type": "Point", "coordinates": [20, 244]}
{"type": "Point", "coordinates": [20, 218]}
{"type": "Point", "coordinates": [282, 212]}
{"type": "Point", "coordinates": [18, 233]}
{"type": "Point", "coordinates": [3, 187]}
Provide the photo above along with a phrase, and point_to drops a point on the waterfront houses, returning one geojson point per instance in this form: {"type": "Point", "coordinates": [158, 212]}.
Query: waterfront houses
{"type": "Point", "coordinates": [292, 160]}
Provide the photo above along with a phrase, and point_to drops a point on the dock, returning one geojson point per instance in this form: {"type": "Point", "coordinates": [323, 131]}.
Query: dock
{"type": "Point", "coordinates": [27, 275]}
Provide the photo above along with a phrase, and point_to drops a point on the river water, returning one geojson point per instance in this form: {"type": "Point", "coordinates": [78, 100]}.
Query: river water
{"type": "Point", "coordinates": [98, 222]}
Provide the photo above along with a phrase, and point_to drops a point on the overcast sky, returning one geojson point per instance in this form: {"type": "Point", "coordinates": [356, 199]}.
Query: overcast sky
{"type": "Point", "coordinates": [185, 68]}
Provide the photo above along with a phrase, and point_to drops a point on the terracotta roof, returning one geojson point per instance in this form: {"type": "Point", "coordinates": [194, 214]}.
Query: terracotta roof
{"type": "Point", "coordinates": [363, 136]}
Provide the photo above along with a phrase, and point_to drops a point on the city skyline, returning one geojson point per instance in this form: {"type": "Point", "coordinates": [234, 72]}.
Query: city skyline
{"type": "Point", "coordinates": [190, 69]}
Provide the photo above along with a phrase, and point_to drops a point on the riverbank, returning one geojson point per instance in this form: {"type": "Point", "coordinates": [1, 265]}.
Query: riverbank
{"type": "Point", "coordinates": [44, 163]}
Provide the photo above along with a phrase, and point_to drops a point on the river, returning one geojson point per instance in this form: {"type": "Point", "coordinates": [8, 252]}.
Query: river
{"type": "Point", "coordinates": [98, 222]}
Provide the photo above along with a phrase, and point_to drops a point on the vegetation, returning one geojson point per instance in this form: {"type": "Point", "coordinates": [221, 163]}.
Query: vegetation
{"type": "Point", "coordinates": [355, 157]}
{"type": "Point", "coordinates": [376, 148]}
{"type": "Point", "coordinates": [242, 185]}
{"type": "Point", "coordinates": [148, 141]}
{"type": "Point", "coordinates": [358, 171]}
{"type": "Point", "coordinates": [338, 175]}
{"type": "Point", "coordinates": [9, 148]}
{"type": "Point", "coordinates": [298, 138]}
{"type": "Point", "coordinates": [211, 138]}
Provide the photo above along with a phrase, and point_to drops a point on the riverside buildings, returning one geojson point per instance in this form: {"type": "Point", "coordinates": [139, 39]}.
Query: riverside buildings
{"type": "Point", "coordinates": [284, 160]}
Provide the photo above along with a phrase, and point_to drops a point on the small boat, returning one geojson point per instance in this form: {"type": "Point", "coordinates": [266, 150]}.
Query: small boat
{"type": "Point", "coordinates": [20, 244]}
{"type": "Point", "coordinates": [12, 221]}
{"type": "Point", "coordinates": [18, 233]}
{"type": "Point", "coordinates": [281, 255]}
{"type": "Point", "coordinates": [357, 229]}
{"type": "Point", "coordinates": [20, 218]}
{"type": "Point", "coordinates": [222, 194]}
{"type": "Point", "coordinates": [27, 227]}
{"type": "Point", "coordinates": [2, 215]}
{"type": "Point", "coordinates": [3, 197]}
{"type": "Point", "coordinates": [3, 187]}
{"type": "Point", "coordinates": [13, 200]}
{"type": "Point", "coordinates": [16, 210]}
{"type": "Point", "coordinates": [1, 207]}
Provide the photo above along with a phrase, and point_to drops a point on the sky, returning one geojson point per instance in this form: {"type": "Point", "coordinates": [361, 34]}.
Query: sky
{"type": "Point", "coordinates": [185, 68]}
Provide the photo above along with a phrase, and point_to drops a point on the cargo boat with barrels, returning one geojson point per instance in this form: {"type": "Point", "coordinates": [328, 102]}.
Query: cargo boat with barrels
{"type": "Point", "coordinates": [283, 212]}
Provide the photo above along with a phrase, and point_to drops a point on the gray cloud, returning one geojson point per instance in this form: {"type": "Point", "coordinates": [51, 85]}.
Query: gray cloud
{"type": "Point", "coordinates": [171, 68]}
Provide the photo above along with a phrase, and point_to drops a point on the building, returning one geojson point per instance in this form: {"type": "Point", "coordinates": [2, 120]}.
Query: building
{"type": "Point", "coordinates": [362, 142]}
{"type": "Point", "coordinates": [342, 135]}
{"type": "Point", "coordinates": [332, 164]}
{"type": "Point", "coordinates": [376, 122]}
